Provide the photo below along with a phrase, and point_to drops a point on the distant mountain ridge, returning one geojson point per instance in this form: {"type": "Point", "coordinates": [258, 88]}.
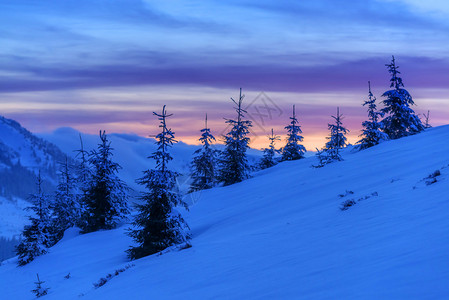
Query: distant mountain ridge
{"type": "Point", "coordinates": [22, 156]}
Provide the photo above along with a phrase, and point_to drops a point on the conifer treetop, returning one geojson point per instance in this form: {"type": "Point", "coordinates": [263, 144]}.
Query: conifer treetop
{"type": "Point", "coordinates": [206, 137]}
{"type": "Point", "coordinates": [273, 138]}
{"type": "Point", "coordinates": [165, 140]}
{"type": "Point", "coordinates": [240, 111]}
{"type": "Point", "coordinates": [395, 80]}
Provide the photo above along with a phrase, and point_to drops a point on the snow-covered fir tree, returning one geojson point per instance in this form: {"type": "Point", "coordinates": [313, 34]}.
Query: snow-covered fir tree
{"type": "Point", "coordinates": [66, 205]}
{"type": "Point", "coordinates": [204, 164]}
{"type": "Point", "coordinates": [293, 150]}
{"type": "Point", "coordinates": [36, 237]}
{"type": "Point", "coordinates": [337, 138]}
{"type": "Point", "coordinates": [159, 225]}
{"type": "Point", "coordinates": [106, 199]}
{"type": "Point", "coordinates": [268, 160]}
{"type": "Point", "coordinates": [234, 165]}
{"type": "Point", "coordinates": [337, 141]}
{"type": "Point", "coordinates": [400, 118]}
{"type": "Point", "coordinates": [372, 129]}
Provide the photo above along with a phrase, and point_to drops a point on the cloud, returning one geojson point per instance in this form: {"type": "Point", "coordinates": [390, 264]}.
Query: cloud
{"type": "Point", "coordinates": [98, 62]}
{"type": "Point", "coordinates": [434, 7]}
{"type": "Point", "coordinates": [345, 76]}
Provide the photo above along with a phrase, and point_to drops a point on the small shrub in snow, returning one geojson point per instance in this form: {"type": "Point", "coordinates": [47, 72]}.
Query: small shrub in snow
{"type": "Point", "coordinates": [432, 178]}
{"type": "Point", "coordinates": [39, 291]}
{"type": "Point", "coordinates": [108, 277]}
{"type": "Point", "coordinates": [346, 193]}
{"type": "Point", "coordinates": [347, 204]}
{"type": "Point", "coordinates": [351, 202]}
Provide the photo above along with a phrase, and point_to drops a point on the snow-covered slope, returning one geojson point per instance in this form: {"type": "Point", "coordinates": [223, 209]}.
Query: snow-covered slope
{"type": "Point", "coordinates": [22, 155]}
{"type": "Point", "coordinates": [12, 217]}
{"type": "Point", "coordinates": [282, 235]}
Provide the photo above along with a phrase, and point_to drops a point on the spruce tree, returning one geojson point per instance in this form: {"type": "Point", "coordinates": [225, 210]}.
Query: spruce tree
{"type": "Point", "coordinates": [293, 150]}
{"type": "Point", "coordinates": [372, 129]}
{"type": "Point", "coordinates": [204, 164]}
{"type": "Point", "coordinates": [269, 153]}
{"type": "Point", "coordinates": [106, 199]}
{"type": "Point", "coordinates": [234, 165]}
{"type": "Point", "coordinates": [337, 140]}
{"type": "Point", "coordinates": [66, 206]}
{"type": "Point", "coordinates": [401, 120]}
{"type": "Point", "coordinates": [83, 181]}
{"type": "Point", "coordinates": [40, 290]}
{"type": "Point", "coordinates": [158, 225]}
{"type": "Point", "coordinates": [36, 237]}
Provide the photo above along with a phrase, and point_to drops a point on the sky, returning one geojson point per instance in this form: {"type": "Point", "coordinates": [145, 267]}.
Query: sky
{"type": "Point", "coordinates": [102, 64]}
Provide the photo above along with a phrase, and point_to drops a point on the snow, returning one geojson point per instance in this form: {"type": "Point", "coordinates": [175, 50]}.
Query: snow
{"type": "Point", "coordinates": [282, 235]}
{"type": "Point", "coordinates": [13, 217]}
{"type": "Point", "coordinates": [20, 144]}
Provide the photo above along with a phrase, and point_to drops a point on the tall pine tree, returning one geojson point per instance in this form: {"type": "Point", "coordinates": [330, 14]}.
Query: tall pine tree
{"type": "Point", "coordinates": [293, 150]}
{"type": "Point", "coordinates": [372, 129]}
{"type": "Point", "coordinates": [204, 163]}
{"type": "Point", "coordinates": [158, 224]}
{"type": "Point", "coordinates": [36, 238]}
{"type": "Point", "coordinates": [234, 165]}
{"type": "Point", "coordinates": [66, 206]}
{"type": "Point", "coordinates": [106, 199]}
{"type": "Point", "coordinates": [400, 118]}
{"type": "Point", "coordinates": [268, 160]}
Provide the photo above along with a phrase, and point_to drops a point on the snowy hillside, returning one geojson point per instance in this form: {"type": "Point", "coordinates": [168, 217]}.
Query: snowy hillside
{"type": "Point", "coordinates": [282, 235]}
{"type": "Point", "coordinates": [22, 155]}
